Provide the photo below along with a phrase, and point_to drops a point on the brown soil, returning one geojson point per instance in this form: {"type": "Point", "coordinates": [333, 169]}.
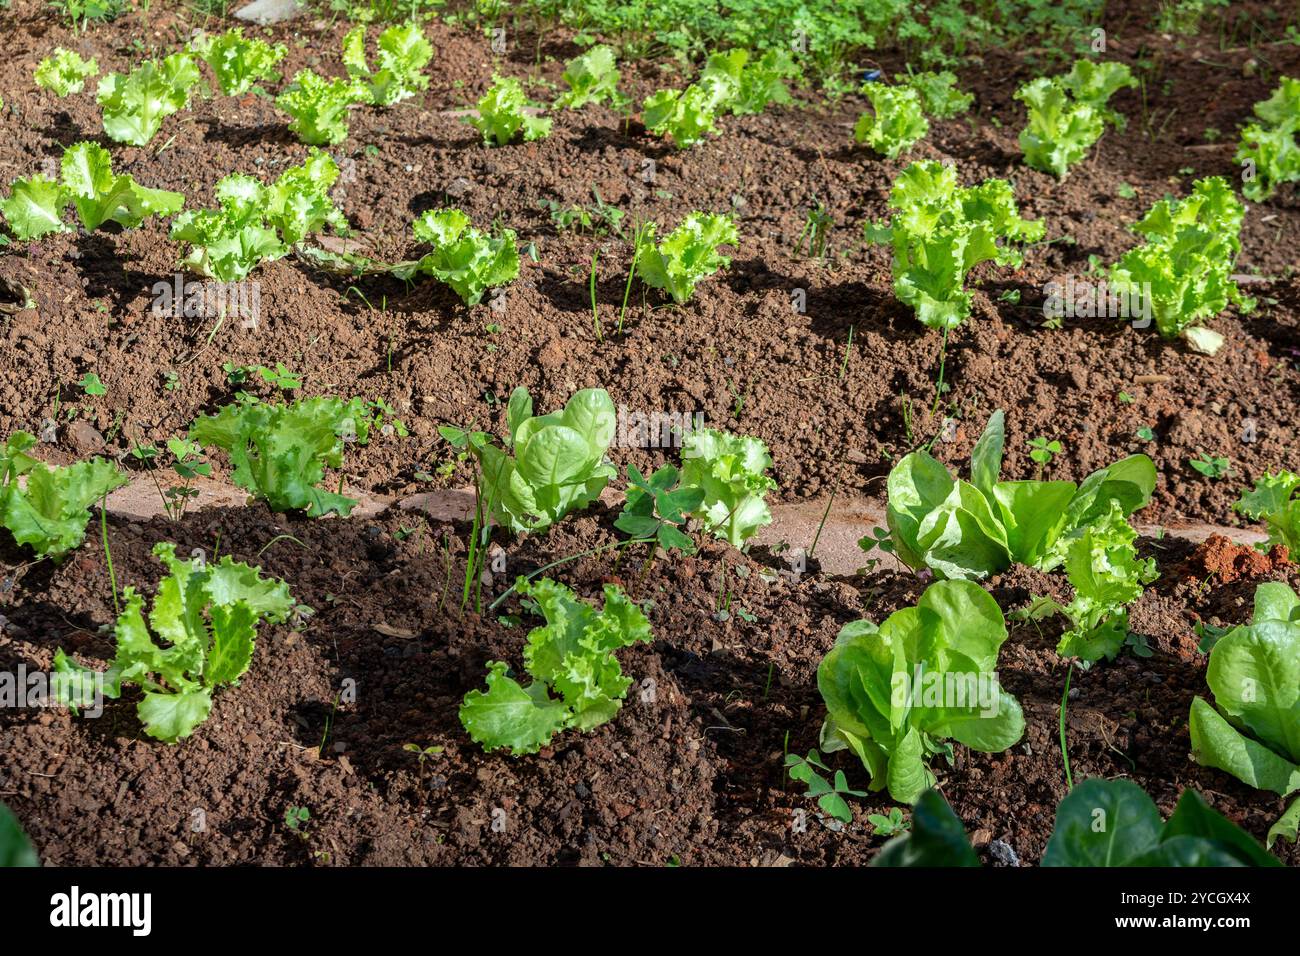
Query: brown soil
{"type": "Point", "coordinates": [1227, 562]}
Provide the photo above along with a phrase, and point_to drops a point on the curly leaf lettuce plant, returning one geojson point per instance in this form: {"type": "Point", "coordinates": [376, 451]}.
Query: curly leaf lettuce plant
{"type": "Point", "coordinates": [87, 181]}
{"type": "Point", "coordinates": [1269, 150]}
{"type": "Point", "coordinates": [895, 122]}
{"type": "Point", "coordinates": [592, 78]}
{"type": "Point", "coordinates": [280, 452]}
{"type": "Point", "coordinates": [469, 261]}
{"type": "Point", "coordinates": [731, 470]}
{"type": "Point", "coordinates": [399, 71]}
{"type": "Point", "coordinates": [50, 511]}
{"type": "Point", "coordinates": [688, 254]}
{"type": "Point", "coordinates": [503, 114]}
{"type": "Point", "coordinates": [940, 231]}
{"type": "Point", "coordinates": [1274, 500]}
{"type": "Point", "coordinates": [319, 107]}
{"type": "Point", "coordinates": [896, 693]}
{"type": "Point", "coordinates": [572, 657]}
{"type": "Point", "coordinates": [939, 94]}
{"type": "Point", "coordinates": [64, 72]}
{"type": "Point", "coordinates": [1252, 730]}
{"type": "Point", "coordinates": [756, 82]}
{"type": "Point", "coordinates": [1068, 114]}
{"type": "Point", "coordinates": [1184, 268]}
{"type": "Point", "coordinates": [238, 63]}
{"type": "Point", "coordinates": [134, 106]}
{"type": "Point", "coordinates": [688, 115]}
{"type": "Point", "coordinates": [204, 625]}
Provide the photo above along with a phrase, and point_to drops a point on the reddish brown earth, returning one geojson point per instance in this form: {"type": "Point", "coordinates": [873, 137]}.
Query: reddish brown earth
{"type": "Point", "coordinates": [695, 775]}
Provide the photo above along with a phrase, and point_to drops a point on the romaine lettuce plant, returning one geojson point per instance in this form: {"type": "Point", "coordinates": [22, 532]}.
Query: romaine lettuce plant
{"type": "Point", "coordinates": [503, 114]}
{"type": "Point", "coordinates": [135, 105]}
{"type": "Point", "coordinates": [940, 231]}
{"type": "Point", "coordinates": [688, 254]}
{"type": "Point", "coordinates": [571, 656]}
{"type": "Point", "coordinates": [731, 470]}
{"type": "Point", "coordinates": [35, 205]}
{"type": "Point", "coordinates": [1252, 730]}
{"type": "Point", "coordinates": [319, 107]}
{"type": "Point", "coordinates": [64, 72]}
{"type": "Point", "coordinates": [50, 513]}
{"type": "Point", "coordinates": [239, 64]}
{"type": "Point", "coordinates": [1068, 114]}
{"type": "Point", "coordinates": [688, 115]}
{"type": "Point", "coordinates": [939, 94]}
{"type": "Point", "coordinates": [204, 622]}
{"type": "Point", "coordinates": [1274, 500]}
{"type": "Point", "coordinates": [551, 464]}
{"type": "Point", "coordinates": [592, 78]}
{"type": "Point", "coordinates": [398, 74]}
{"type": "Point", "coordinates": [1184, 268]}
{"type": "Point", "coordinates": [1270, 145]}
{"type": "Point", "coordinates": [895, 122]}
{"type": "Point", "coordinates": [895, 694]}
{"type": "Point", "coordinates": [469, 261]}
{"type": "Point", "coordinates": [280, 452]}
{"type": "Point", "coordinates": [755, 82]}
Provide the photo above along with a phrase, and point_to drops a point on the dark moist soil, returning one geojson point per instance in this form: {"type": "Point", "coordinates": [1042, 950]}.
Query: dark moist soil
{"type": "Point", "coordinates": [691, 773]}
{"type": "Point", "coordinates": [737, 353]}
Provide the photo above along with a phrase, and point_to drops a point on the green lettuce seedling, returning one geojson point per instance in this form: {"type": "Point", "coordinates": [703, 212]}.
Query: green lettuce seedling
{"type": "Point", "coordinates": [256, 223]}
{"type": "Point", "coordinates": [319, 107]}
{"type": "Point", "coordinates": [755, 83]}
{"type": "Point", "coordinates": [688, 115]}
{"type": "Point", "coordinates": [64, 72]}
{"type": "Point", "coordinates": [35, 205]}
{"type": "Point", "coordinates": [1068, 114]}
{"type": "Point", "coordinates": [280, 452]}
{"type": "Point", "coordinates": [403, 55]}
{"type": "Point", "coordinates": [572, 656]}
{"type": "Point", "coordinates": [50, 512]}
{"type": "Point", "coordinates": [895, 694]}
{"type": "Point", "coordinates": [688, 254]}
{"type": "Point", "coordinates": [895, 122]}
{"type": "Point", "coordinates": [239, 64]}
{"type": "Point", "coordinates": [1252, 730]}
{"type": "Point", "coordinates": [940, 231]}
{"type": "Point", "coordinates": [503, 114]}
{"type": "Point", "coordinates": [939, 94]}
{"type": "Point", "coordinates": [1269, 149]}
{"type": "Point", "coordinates": [469, 261]}
{"type": "Point", "coordinates": [1274, 500]}
{"type": "Point", "coordinates": [204, 622]}
{"type": "Point", "coordinates": [592, 78]}
{"type": "Point", "coordinates": [1184, 268]}
{"type": "Point", "coordinates": [134, 106]}
{"type": "Point", "coordinates": [731, 470]}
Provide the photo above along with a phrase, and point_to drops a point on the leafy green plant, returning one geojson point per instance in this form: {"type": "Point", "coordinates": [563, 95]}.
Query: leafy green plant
{"type": "Point", "coordinates": [64, 72]}
{"type": "Point", "coordinates": [1211, 466]}
{"type": "Point", "coordinates": [1269, 146]}
{"type": "Point", "coordinates": [688, 115]}
{"type": "Point", "coordinates": [686, 255]}
{"type": "Point", "coordinates": [558, 463]}
{"type": "Point", "coordinates": [940, 231]}
{"type": "Point", "coordinates": [1068, 114]}
{"type": "Point", "coordinates": [280, 452]}
{"type": "Point", "coordinates": [1252, 730]}
{"type": "Point", "coordinates": [895, 122]}
{"type": "Point", "coordinates": [572, 656]}
{"type": "Point", "coordinates": [462, 257]}
{"type": "Point", "coordinates": [296, 818]}
{"type": "Point", "coordinates": [895, 693]}
{"type": "Point", "coordinates": [937, 838]}
{"type": "Point", "coordinates": [1184, 268]}
{"type": "Point", "coordinates": [828, 794]}
{"type": "Point", "coordinates": [15, 849]}
{"type": "Point", "coordinates": [1043, 451]}
{"type": "Point", "coordinates": [205, 618]}
{"type": "Point", "coordinates": [399, 72]}
{"type": "Point", "coordinates": [592, 78]}
{"type": "Point", "coordinates": [81, 13]}
{"type": "Point", "coordinates": [50, 513]}
{"type": "Point", "coordinates": [87, 181]}
{"type": "Point", "coordinates": [319, 107]}
{"type": "Point", "coordinates": [257, 222]}
{"type": "Point", "coordinates": [888, 826]}
{"type": "Point", "coordinates": [503, 114]}
{"type": "Point", "coordinates": [938, 91]}
{"type": "Point", "coordinates": [731, 470]}
{"type": "Point", "coordinates": [134, 106]}
{"type": "Point", "coordinates": [657, 507]}
{"type": "Point", "coordinates": [1274, 500]}
{"type": "Point", "coordinates": [239, 64]}
{"type": "Point", "coordinates": [755, 82]}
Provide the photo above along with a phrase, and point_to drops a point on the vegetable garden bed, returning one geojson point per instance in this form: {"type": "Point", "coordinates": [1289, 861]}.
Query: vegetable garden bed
{"type": "Point", "coordinates": [359, 710]}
